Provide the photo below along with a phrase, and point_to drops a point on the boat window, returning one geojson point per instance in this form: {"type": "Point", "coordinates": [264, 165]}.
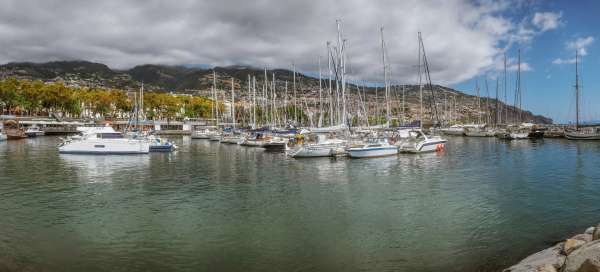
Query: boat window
{"type": "Point", "coordinates": [99, 146]}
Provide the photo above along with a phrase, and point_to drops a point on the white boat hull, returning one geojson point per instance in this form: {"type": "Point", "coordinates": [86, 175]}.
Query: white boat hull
{"type": "Point", "coordinates": [424, 146]}
{"type": "Point", "coordinates": [519, 136]}
{"type": "Point", "coordinates": [105, 147]}
{"type": "Point", "coordinates": [575, 135]}
{"type": "Point", "coordinates": [311, 151]}
{"type": "Point", "coordinates": [372, 152]}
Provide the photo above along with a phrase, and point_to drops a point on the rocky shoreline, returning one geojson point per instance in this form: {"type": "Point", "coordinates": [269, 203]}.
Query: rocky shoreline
{"type": "Point", "coordinates": [580, 253]}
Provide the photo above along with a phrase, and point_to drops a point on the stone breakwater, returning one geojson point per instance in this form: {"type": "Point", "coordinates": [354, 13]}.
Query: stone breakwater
{"type": "Point", "coordinates": [580, 253]}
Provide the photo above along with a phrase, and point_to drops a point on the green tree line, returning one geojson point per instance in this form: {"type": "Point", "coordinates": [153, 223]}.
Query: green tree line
{"type": "Point", "coordinates": [36, 98]}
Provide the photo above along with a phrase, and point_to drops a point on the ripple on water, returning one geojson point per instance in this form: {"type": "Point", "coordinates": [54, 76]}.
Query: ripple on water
{"type": "Point", "coordinates": [479, 206]}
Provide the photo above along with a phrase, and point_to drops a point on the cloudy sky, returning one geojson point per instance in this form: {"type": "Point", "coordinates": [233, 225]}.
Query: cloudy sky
{"type": "Point", "coordinates": [465, 40]}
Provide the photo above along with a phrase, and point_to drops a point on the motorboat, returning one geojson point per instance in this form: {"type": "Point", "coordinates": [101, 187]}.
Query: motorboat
{"type": "Point", "coordinates": [276, 144]}
{"type": "Point", "coordinates": [519, 135]}
{"type": "Point", "coordinates": [215, 137]}
{"type": "Point", "coordinates": [423, 143]}
{"type": "Point", "coordinates": [161, 145]}
{"type": "Point", "coordinates": [203, 134]}
{"type": "Point", "coordinates": [34, 132]}
{"type": "Point", "coordinates": [257, 139]}
{"type": "Point", "coordinates": [324, 146]}
{"type": "Point", "coordinates": [13, 130]}
{"type": "Point", "coordinates": [103, 141]}
{"type": "Point", "coordinates": [374, 147]}
{"type": "Point", "coordinates": [232, 139]}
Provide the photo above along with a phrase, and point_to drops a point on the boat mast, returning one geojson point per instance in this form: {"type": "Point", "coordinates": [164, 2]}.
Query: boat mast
{"type": "Point", "coordinates": [216, 103]}
{"type": "Point", "coordinates": [420, 86]}
{"type": "Point", "coordinates": [273, 109]}
{"type": "Point", "coordinates": [285, 112]}
{"type": "Point", "coordinates": [294, 91]}
{"type": "Point", "coordinates": [385, 80]}
{"type": "Point", "coordinates": [478, 102]}
{"type": "Point", "coordinates": [577, 89]}
{"type": "Point", "coordinates": [342, 70]}
{"type": "Point", "coordinates": [487, 103]}
{"type": "Point", "coordinates": [497, 113]}
{"type": "Point", "coordinates": [517, 101]}
{"type": "Point", "coordinates": [320, 124]}
{"type": "Point", "coordinates": [254, 102]}
{"type": "Point", "coordinates": [330, 89]}
{"type": "Point", "coordinates": [505, 92]}
{"type": "Point", "coordinates": [232, 104]}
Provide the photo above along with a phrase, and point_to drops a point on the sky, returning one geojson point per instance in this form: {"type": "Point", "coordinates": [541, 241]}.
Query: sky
{"type": "Point", "coordinates": [465, 41]}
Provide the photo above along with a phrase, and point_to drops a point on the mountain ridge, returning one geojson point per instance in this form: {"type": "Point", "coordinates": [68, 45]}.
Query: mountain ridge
{"type": "Point", "coordinates": [196, 80]}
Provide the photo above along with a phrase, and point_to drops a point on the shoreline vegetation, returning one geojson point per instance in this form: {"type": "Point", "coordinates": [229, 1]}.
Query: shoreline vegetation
{"type": "Point", "coordinates": [576, 254]}
{"type": "Point", "coordinates": [37, 98]}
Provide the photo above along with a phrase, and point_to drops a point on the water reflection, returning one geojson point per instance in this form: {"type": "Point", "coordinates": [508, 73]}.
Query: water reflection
{"type": "Point", "coordinates": [480, 205]}
{"type": "Point", "coordinates": [93, 169]}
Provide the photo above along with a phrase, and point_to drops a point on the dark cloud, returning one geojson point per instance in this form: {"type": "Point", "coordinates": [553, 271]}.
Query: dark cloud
{"type": "Point", "coordinates": [462, 38]}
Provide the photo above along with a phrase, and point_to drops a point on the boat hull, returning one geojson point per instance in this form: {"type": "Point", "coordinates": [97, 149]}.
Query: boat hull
{"type": "Point", "coordinates": [372, 152]}
{"type": "Point", "coordinates": [275, 147]}
{"type": "Point", "coordinates": [35, 134]}
{"type": "Point", "coordinates": [582, 136]}
{"type": "Point", "coordinates": [317, 151]}
{"type": "Point", "coordinates": [453, 132]}
{"type": "Point", "coordinates": [95, 147]}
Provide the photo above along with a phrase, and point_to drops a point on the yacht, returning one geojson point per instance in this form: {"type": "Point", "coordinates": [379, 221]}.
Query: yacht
{"type": "Point", "coordinates": [374, 147]}
{"type": "Point", "coordinates": [276, 144]}
{"type": "Point", "coordinates": [202, 134]}
{"type": "Point", "coordinates": [103, 141]}
{"type": "Point", "coordinates": [457, 130]}
{"type": "Point", "coordinates": [519, 135]}
{"type": "Point", "coordinates": [323, 147]}
{"type": "Point", "coordinates": [215, 137]}
{"type": "Point", "coordinates": [34, 132]}
{"type": "Point", "coordinates": [232, 139]}
{"type": "Point", "coordinates": [257, 139]}
{"type": "Point", "coordinates": [423, 143]}
{"type": "Point", "coordinates": [479, 132]}
{"type": "Point", "coordinates": [160, 145]}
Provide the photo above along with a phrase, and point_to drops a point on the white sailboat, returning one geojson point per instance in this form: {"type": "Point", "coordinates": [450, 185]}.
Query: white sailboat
{"type": "Point", "coordinates": [579, 133]}
{"type": "Point", "coordinates": [323, 147]}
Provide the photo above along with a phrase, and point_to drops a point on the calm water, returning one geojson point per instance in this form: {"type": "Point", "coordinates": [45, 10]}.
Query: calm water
{"type": "Point", "coordinates": [481, 206]}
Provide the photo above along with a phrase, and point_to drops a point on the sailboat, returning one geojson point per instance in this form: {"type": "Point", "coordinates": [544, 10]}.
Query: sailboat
{"type": "Point", "coordinates": [580, 133]}
{"type": "Point", "coordinates": [423, 143]}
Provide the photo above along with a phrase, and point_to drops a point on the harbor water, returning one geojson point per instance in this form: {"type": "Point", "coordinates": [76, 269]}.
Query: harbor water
{"type": "Point", "coordinates": [482, 205]}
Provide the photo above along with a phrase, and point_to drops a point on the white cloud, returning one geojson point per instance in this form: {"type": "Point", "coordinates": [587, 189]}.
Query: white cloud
{"type": "Point", "coordinates": [580, 44]}
{"type": "Point", "coordinates": [546, 20]}
{"type": "Point", "coordinates": [463, 38]}
{"type": "Point", "coordinates": [563, 61]}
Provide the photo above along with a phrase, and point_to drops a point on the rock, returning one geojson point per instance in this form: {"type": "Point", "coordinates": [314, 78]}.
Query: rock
{"type": "Point", "coordinates": [541, 261]}
{"type": "Point", "coordinates": [585, 258]}
{"type": "Point", "coordinates": [588, 266]}
{"type": "Point", "coordinates": [571, 244]}
{"type": "Point", "coordinates": [589, 230]}
{"type": "Point", "coordinates": [583, 237]}
{"type": "Point", "coordinates": [596, 233]}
